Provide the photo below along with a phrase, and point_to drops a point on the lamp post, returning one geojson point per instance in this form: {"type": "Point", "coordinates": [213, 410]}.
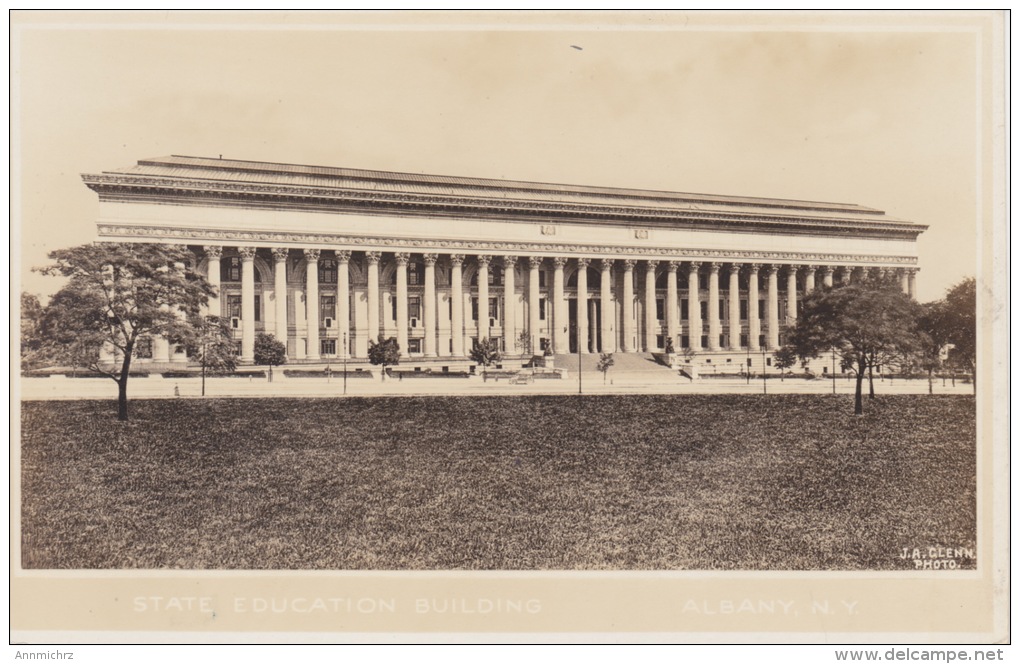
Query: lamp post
{"type": "Point", "coordinates": [748, 369]}
{"type": "Point", "coordinates": [833, 370]}
{"type": "Point", "coordinates": [764, 373]}
{"type": "Point", "coordinates": [345, 363]}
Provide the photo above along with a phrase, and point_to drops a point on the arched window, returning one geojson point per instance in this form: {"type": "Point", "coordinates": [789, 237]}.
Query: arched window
{"type": "Point", "coordinates": [495, 276]}
{"type": "Point", "coordinates": [594, 278]}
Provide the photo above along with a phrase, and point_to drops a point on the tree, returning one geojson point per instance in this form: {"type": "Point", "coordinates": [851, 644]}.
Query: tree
{"type": "Point", "coordinates": [785, 358]}
{"type": "Point", "coordinates": [960, 325]}
{"type": "Point", "coordinates": [384, 352]}
{"type": "Point", "coordinates": [605, 362]}
{"type": "Point", "coordinates": [486, 352]}
{"type": "Point", "coordinates": [32, 341]}
{"type": "Point", "coordinates": [523, 343]}
{"type": "Point", "coordinates": [861, 322]}
{"type": "Point", "coordinates": [269, 351]}
{"type": "Point", "coordinates": [934, 337]}
{"type": "Point", "coordinates": [118, 293]}
{"type": "Point", "coordinates": [212, 346]}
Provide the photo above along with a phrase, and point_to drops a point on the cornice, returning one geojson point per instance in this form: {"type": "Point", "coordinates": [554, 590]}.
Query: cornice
{"type": "Point", "coordinates": [184, 191]}
{"type": "Point", "coordinates": [380, 243]}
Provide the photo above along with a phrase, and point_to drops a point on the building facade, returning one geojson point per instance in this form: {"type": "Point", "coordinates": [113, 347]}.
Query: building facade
{"type": "Point", "coordinates": [328, 259]}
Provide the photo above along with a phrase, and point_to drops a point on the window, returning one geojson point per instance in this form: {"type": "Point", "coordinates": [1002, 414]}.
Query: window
{"type": "Point", "coordinates": [761, 340]}
{"type": "Point", "coordinates": [393, 308]}
{"type": "Point", "coordinates": [327, 307]}
{"type": "Point", "coordinates": [541, 278]}
{"type": "Point", "coordinates": [660, 308]}
{"type": "Point", "coordinates": [494, 307]}
{"type": "Point", "coordinates": [413, 275]}
{"type": "Point", "coordinates": [704, 310]}
{"type": "Point", "coordinates": [743, 340]}
{"type": "Point", "coordinates": [414, 307]}
{"type": "Point", "coordinates": [722, 310]}
{"type": "Point", "coordinates": [825, 370]}
{"type": "Point", "coordinates": [660, 341]}
{"type": "Point", "coordinates": [474, 308]}
{"type": "Point", "coordinates": [704, 340]}
{"type": "Point", "coordinates": [761, 309]}
{"type": "Point", "coordinates": [234, 306]}
{"type": "Point", "coordinates": [414, 345]}
{"type": "Point", "coordinates": [768, 361]}
{"type": "Point", "coordinates": [743, 309]}
{"type": "Point", "coordinates": [683, 309]}
{"type": "Point", "coordinates": [541, 307]}
{"type": "Point", "coordinates": [327, 271]}
{"type": "Point", "coordinates": [230, 269]}
{"type": "Point", "coordinates": [703, 282]}
{"type": "Point", "coordinates": [143, 348]}
{"type": "Point", "coordinates": [685, 341]}
{"type": "Point", "coordinates": [748, 362]}
{"type": "Point", "coordinates": [258, 308]}
{"type": "Point", "coordinates": [328, 346]}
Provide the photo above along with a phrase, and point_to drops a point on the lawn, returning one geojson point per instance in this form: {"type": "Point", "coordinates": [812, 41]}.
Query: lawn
{"type": "Point", "coordinates": [784, 482]}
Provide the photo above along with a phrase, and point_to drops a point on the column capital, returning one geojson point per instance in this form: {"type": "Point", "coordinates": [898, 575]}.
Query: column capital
{"type": "Point", "coordinates": [652, 264]}
{"type": "Point", "coordinates": [792, 269]}
{"type": "Point", "coordinates": [912, 270]}
{"type": "Point", "coordinates": [674, 266]}
{"type": "Point", "coordinates": [694, 266]}
{"type": "Point", "coordinates": [430, 259]}
{"type": "Point", "coordinates": [772, 269]}
{"type": "Point", "coordinates": [247, 253]}
{"type": "Point", "coordinates": [343, 255]}
{"type": "Point", "coordinates": [754, 267]}
{"type": "Point", "coordinates": [606, 264]}
{"type": "Point", "coordinates": [735, 268]}
{"type": "Point", "coordinates": [509, 262]}
{"type": "Point", "coordinates": [628, 264]}
{"type": "Point", "coordinates": [373, 257]}
{"type": "Point", "coordinates": [312, 254]}
{"type": "Point", "coordinates": [559, 261]}
{"type": "Point", "coordinates": [456, 260]}
{"type": "Point", "coordinates": [713, 267]}
{"type": "Point", "coordinates": [534, 262]}
{"type": "Point", "coordinates": [828, 269]}
{"type": "Point", "coordinates": [213, 252]}
{"type": "Point", "coordinates": [402, 257]}
{"type": "Point", "coordinates": [811, 268]}
{"type": "Point", "coordinates": [484, 259]}
{"type": "Point", "coordinates": [583, 262]}
{"type": "Point", "coordinates": [280, 254]}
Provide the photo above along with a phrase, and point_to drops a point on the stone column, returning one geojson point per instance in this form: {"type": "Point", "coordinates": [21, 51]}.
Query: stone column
{"type": "Point", "coordinates": [483, 297]}
{"type": "Point", "coordinates": [912, 283]}
{"type": "Point", "coordinates": [772, 339]}
{"type": "Point", "coordinates": [247, 304]}
{"type": "Point", "coordinates": [429, 315]}
{"type": "Point", "coordinates": [791, 295]}
{"type": "Point", "coordinates": [753, 314]}
{"type": "Point", "coordinates": [212, 275]}
{"type": "Point", "coordinates": [847, 274]}
{"type": "Point", "coordinates": [627, 342]}
{"type": "Point", "coordinates": [734, 307]}
{"type": "Point", "coordinates": [809, 278]}
{"type": "Point", "coordinates": [534, 314]}
{"type": "Point", "coordinates": [561, 317]}
{"type": "Point", "coordinates": [372, 259]}
{"type": "Point", "coordinates": [343, 300]}
{"type": "Point", "coordinates": [651, 319]}
{"type": "Point", "coordinates": [457, 304]}
{"type": "Point", "coordinates": [509, 304]}
{"type": "Point", "coordinates": [714, 326]}
{"type": "Point", "coordinates": [673, 306]}
{"type": "Point", "coordinates": [827, 271]}
{"type": "Point", "coordinates": [160, 348]}
{"type": "Point", "coordinates": [694, 307]}
{"type": "Point", "coordinates": [402, 259]}
{"type": "Point", "coordinates": [280, 292]}
{"type": "Point", "coordinates": [608, 328]}
{"type": "Point", "coordinates": [312, 302]}
{"type": "Point", "coordinates": [582, 304]}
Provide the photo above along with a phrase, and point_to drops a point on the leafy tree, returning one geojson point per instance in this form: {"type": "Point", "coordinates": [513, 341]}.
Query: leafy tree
{"type": "Point", "coordinates": [116, 293]}
{"type": "Point", "coordinates": [861, 322]}
{"type": "Point", "coordinates": [486, 352]}
{"type": "Point", "coordinates": [213, 346]}
{"type": "Point", "coordinates": [32, 341]}
{"type": "Point", "coordinates": [605, 362]}
{"type": "Point", "coordinates": [784, 358]}
{"type": "Point", "coordinates": [934, 337]}
{"type": "Point", "coordinates": [384, 352]}
{"type": "Point", "coordinates": [269, 351]}
{"type": "Point", "coordinates": [960, 325]}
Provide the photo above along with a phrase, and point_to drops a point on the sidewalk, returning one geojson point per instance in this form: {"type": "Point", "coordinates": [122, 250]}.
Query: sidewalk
{"type": "Point", "coordinates": [157, 387]}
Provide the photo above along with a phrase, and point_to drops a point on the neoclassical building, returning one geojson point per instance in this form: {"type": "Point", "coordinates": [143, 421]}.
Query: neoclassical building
{"type": "Point", "coordinates": [330, 258]}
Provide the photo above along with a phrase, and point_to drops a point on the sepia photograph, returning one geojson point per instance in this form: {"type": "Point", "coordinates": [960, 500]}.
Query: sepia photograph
{"type": "Point", "coordinates": [650, 325]}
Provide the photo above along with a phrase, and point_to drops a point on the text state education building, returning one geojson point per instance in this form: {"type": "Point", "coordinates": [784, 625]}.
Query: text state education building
{"type": "Point", "coordinates": [329, 258]}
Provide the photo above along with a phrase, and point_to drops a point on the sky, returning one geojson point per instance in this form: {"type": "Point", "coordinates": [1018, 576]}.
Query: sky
{"type": "Point", "coordinates": [885, 118]}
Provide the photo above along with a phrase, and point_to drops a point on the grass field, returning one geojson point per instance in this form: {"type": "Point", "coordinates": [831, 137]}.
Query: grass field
{"type": "Point", "coordinates": [789, 482]}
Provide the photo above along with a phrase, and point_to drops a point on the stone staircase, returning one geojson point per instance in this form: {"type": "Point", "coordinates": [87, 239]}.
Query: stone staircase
{"type": "Point", "coordinates": [628, 366]}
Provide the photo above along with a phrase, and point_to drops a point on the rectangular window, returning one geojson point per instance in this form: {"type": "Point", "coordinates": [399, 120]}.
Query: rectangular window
{"type": "Point", "coordinates": [541, 306]}
{"type": "Point", "coordinates": [230, 269]}
{"type": "Point", "coordinates": [761, 309]}
{"type": "Point", "coordinates": [258, 308]}
{"type": "Point", "coordinates": [683, 308]}
{"type": "Point", "coordinates": [702, 282]}
{"type": "Point", "coordinates": [704, 340]}
{"type": "Point", "coordinates": [722, 310]}
{"type": "Point", "coordinates": [743, 309]}
{"type": "Point", "coordinates": [327, 308]}
{"type": "Point", "coordinates": [449, 308]}
{"type": "Point", "coordinates": [393, 308]}
{"type": "Point", "coordinates": [660, 308]}
{"type": "Point", "coordinates": [825, 370]}
{"type": "Point", "coordinates": [494, 307]}
{"type": "Point", "coordinates": [743, 340]}
{"type": "Point", "coordinates": [328, 346]}
{"type": "Point", "coordinates": [414, 307]}
{"type": "Point", "coordinates": [414, 345]}
{"type": "Point", "coordinates": [660, 341]}
{"type": "Point", "coordinates": [234, 306]}
{"type": "Point", "coordinates": [748, 362]}
{"type": "Point", "coordinates": [768, 361]}
{"type": "Point", "coordinates": [685, 341]}
{"type": "Point", "coordinates": [704, 310]}
{"type": "Point", "coordinates": [143, 348]}
{"type": "Point", "coordinates": [541, 279]}
{"type": "Point", "coordinates": [474, 308]}
{"type": "Point", "coordinates": [761, 340]}
{"type": "Point", "coordinates": [413, 278]}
